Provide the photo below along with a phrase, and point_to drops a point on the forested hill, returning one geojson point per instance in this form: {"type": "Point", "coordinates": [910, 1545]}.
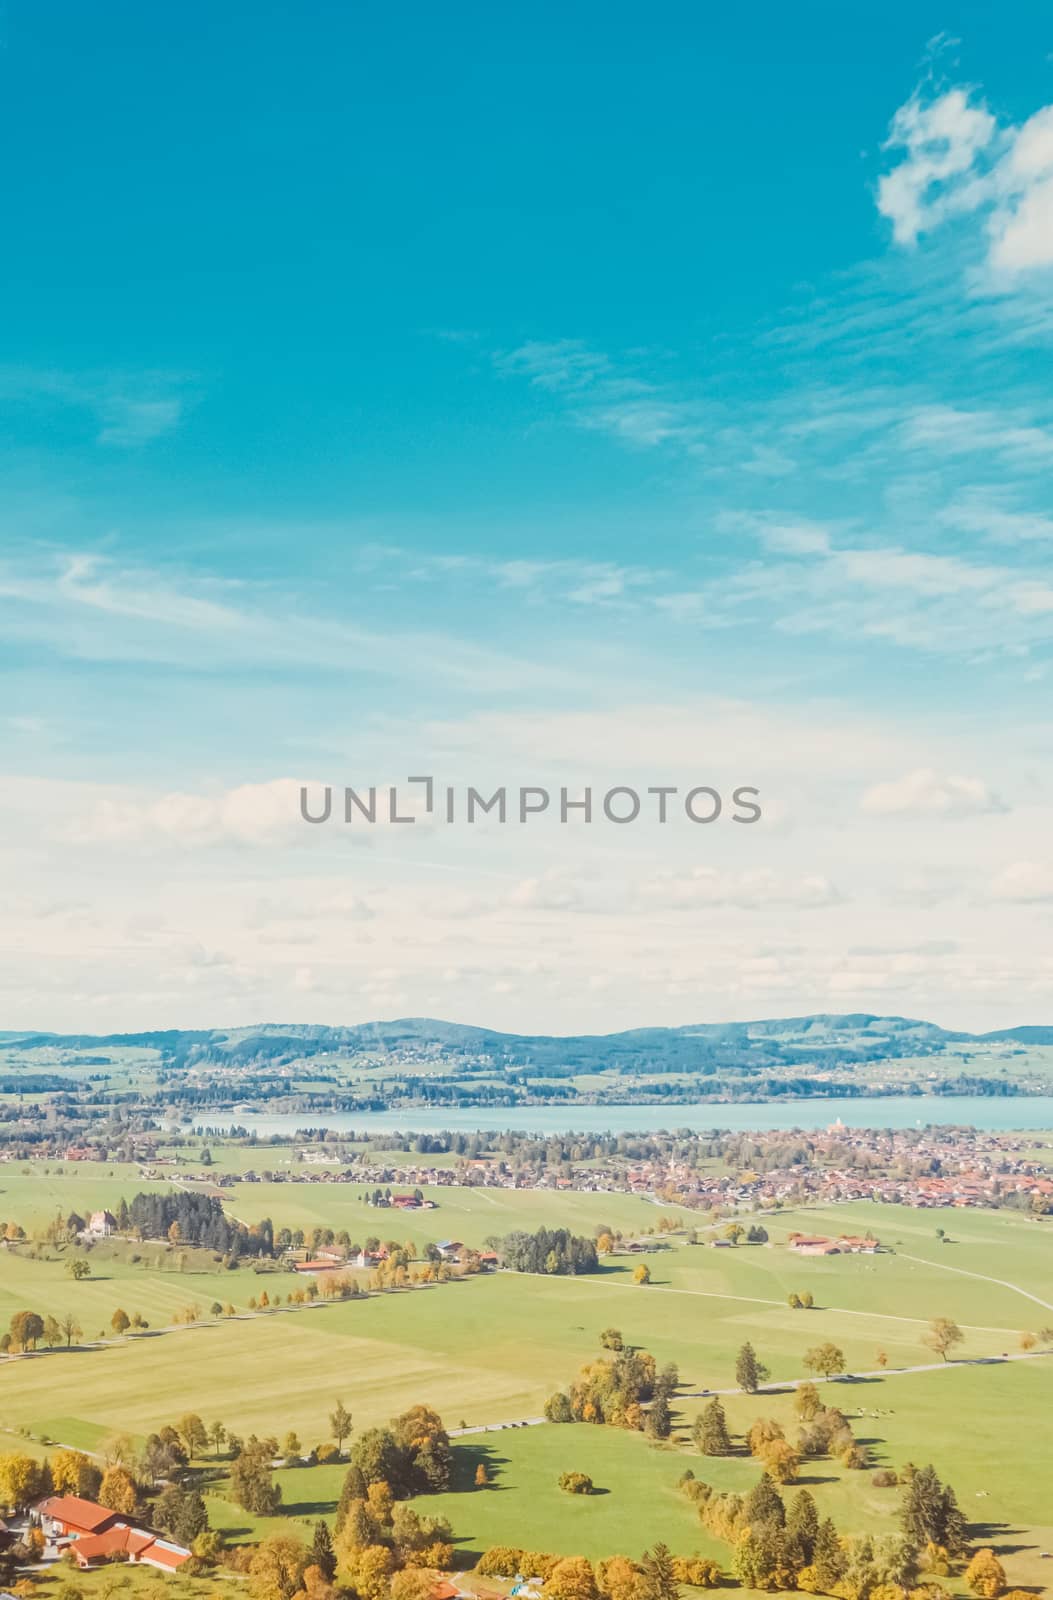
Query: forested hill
{"type": "Point", "coordinates": [749, 1047]}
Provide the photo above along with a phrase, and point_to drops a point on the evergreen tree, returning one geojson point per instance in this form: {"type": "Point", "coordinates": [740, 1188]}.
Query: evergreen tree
{"type": "Point", "coordinates": [354, 1488]}
{"type": "Point", "coordinates": [711, 1430]}
{"type": "Point", "coordinates": [749, 1374]}
{"type": "Point", "coordinates": [323, 1556]}
{"type": "Point", "coordinates": [764, 1504]}
{"type": "Point", "coordinates": [828, 1558]}
{"type": "Point", "coordinates": [658, 1574]}
{"type": "Point", "coordinates": [802, 1527]}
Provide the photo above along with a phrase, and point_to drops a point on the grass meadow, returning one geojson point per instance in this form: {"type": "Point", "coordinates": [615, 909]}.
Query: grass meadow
{"type": "Point", "coordinates": [491, 1349]}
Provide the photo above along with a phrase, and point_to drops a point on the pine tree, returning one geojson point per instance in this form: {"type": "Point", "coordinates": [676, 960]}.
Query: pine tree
{"type": "Point", "coordinates": [802, 1527]}
{"type": "Point", "coordinates": [711, 1430]}
{"type": "Point", "coordinates": [955, 1528]}
{"type": "Point", "coordinates": [749, 1374]}
{"type": "Point", "coordinates": [923, 1513]}
{"type": "Point", "coordinates": [764, 1504]}
{"type": "Point", "coordinates": [659, 1574]}
{"type": "Point", "coordinates": [828, 1558]}
{"type": "Point", "coordinates": [354, 1488]}
{"type": "Point", "coordinates": [323, 1556]}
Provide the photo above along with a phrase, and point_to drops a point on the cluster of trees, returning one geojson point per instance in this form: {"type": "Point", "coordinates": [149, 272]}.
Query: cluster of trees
{"type": "Point", "coordinates": [197, 1219]}
{"type": "Point", "coordinates": [658, 1574]}
{"type": "Point", "coordinates": [624, 1389]}
{"type": "Point", "coordinates": [379, 1535]}
{"type": "Point", "coordinates": [776, 1546]}
{"type": "Point", "coordinates": [788, 1547]}
{"type": "Point", "coordinates": [824, 1431]}
{"type": "Point", "coordinates": [411, 1456]}
{"type": "Point", "coordinates": [554, 1251]}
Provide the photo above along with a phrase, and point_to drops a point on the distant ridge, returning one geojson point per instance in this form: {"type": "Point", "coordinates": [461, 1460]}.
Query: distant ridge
{"type": "Point", "coordinates": [831, 1038]}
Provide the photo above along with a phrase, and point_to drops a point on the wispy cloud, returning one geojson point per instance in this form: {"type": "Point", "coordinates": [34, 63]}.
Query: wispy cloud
{"type": "Point", "coordinates": [607, 397]}
{"type": "Point", "coordinates": [129, 410]}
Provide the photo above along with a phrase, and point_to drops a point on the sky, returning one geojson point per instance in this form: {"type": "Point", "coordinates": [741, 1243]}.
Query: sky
{"type": "Point", "coordinates": [565, 397]}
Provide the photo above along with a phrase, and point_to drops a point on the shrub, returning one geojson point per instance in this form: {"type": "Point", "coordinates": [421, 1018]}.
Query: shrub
{"type": "Point", "coordinates": [885, 1479]}
{"type": "Point", "coordinates": [575, 1483]}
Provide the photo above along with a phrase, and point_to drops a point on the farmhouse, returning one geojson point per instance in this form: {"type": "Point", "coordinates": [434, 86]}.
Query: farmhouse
{"type": "Point", "coordinates": [813, 1244]}
{"type": "Point", "coordinates": [91, 1533]}
{"type": "Point", "coordinates": [817, 1244]}
{"type": "Point", "coordinates": [101, 1224]}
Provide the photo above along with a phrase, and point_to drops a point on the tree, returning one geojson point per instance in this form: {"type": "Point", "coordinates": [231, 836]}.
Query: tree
{"type": "Point", "coordinates": [802, 1527]}
{"type": "Point", "coordinates": [52, 1332]}
{"type": "Point", "coordinates": [558, 1408]}
{"type": "Point", "coordinates": [658, 1574]}
{"type": "Point", "coordinates": [71, 1329]}
{"type": "Point", "coordinates": [611, 1339]}
{"type": "Point", "coordinates": [78, 1268]}
{"type": "Point", "coordinates": [276, 1570]}
{"type": "Point", "coordinates": [806, 1402]}
{"type": "Point", "coordinates": [711, 1430]}
{"type": "Point", "coordinates": [942, 1336]}
{"type": "Point", "coordinates": [323, 1556]}
{"type": "Point", "coordinates": [27, 1327]}
{"type": "Point", "coordinates": [370, 1572]}
{"type": "Point", "coordinates": [826, 1359]}
{"type": "Point", "coordinates": [251, 1484]}
{"type": "Point", "coordinates": [217, 1437]}
{"type": "Point", "coordinates": [181, 1513]}
{"type": "Point", "coordinates": [120, 1322]}
{"type": "Point", "coordinates": [642, 1273]}
{"type": "Point", "coordinates": [340, 1423]}
{"type": "Point", "coordinates": [482, 1476]}
{"type": "Point", "coordinates": [118, 1492]}
{"type": "Point", "coordinates": [193, 1433]}
{"type": "Point", "coordinates": [764, 1504]}
{"type": "Point", "coordinates": [985, 1575]}
{"type": "Point", "coordinates": [781, 1460]}
{"type": "Point", "coordinates": [19, 1479]}
{"type": "Point", "coordinates": [74, 1473]}
{"type": "Point", "coordinates": [930, 1513]}
{"type": "Point", "coordinates": [659, 1424]}
{"type": "Point", "coordinates": [749, 1373]}
{"type": "Point", "coordinates": [828, 1557]}
{"type": "Point", "coordinates": [572, 1579]}
{"type": "Point", "coordinates": [575, 1483]}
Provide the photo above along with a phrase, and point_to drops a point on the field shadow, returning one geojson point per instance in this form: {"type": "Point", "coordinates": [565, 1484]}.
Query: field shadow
{"type": "Point", "coordinates": [466, 1461]}
{"type": "Point", "coordinates": [1003, 1539]}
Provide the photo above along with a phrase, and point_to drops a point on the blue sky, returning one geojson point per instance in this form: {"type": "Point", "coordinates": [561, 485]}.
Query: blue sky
{"type": "Point", "coordinates": [526, 398]}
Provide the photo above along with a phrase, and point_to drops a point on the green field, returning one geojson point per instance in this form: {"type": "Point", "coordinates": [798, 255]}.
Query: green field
{"type": "Point", "coordinates": [491, 1349]}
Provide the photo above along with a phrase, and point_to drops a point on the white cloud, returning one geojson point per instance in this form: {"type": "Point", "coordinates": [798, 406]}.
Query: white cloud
{"type": "Point", "coordinates": [924, 793]}
{"type": "Point", "coordinates": [958, 160]}
{"type": "Point", "coordinates": [942, 139]}
{"type": "Point", "coordinates": [751, 890]}
{"type": "Point", "coordinates": [1026, 882]}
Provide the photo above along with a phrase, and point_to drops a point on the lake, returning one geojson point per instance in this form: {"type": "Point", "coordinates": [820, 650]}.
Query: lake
{"type": "Point", "coordinates": [899, 1111]}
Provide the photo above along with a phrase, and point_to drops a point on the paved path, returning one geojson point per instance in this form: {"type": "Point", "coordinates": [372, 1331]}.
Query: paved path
{"type": "Point", "coordinates": [773, 1386]}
